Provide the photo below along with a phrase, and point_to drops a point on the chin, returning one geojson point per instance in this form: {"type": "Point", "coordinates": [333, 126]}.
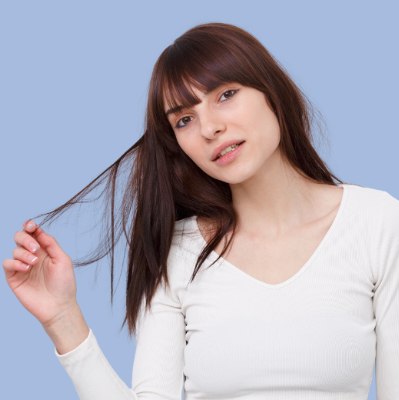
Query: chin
{"type": "Point", "coordinates": [232, 176]}
{"type": "Point", "coordinates": [234, 180]}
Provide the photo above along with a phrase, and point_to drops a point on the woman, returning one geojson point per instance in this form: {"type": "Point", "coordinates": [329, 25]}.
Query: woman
{"type": "Point", "coordinates": [253, 272]}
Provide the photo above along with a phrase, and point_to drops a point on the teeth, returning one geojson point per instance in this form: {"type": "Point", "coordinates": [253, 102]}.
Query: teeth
{"type": "Point", "coordinates": [228, 149]}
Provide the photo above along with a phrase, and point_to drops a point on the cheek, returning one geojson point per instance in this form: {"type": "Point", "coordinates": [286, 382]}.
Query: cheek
{"type": "Point", "coordinates": [196, 153]}
{"type": "Point", "coordinates": [187, 146]}
{"type": "Point", "coordinates": [268, 125]}
{"type": "Point", "coordinates": [184, 146]}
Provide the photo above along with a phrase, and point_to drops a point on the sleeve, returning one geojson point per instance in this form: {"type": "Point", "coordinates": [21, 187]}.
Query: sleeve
{"type": "Point", "coordinates": [158, 362]}
{"type": "Point", "coordinates": [386, 305]}
{"type": "Point", "coordinates": [91, 374]}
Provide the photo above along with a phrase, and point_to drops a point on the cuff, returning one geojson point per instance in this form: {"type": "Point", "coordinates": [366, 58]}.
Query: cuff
{"type": "Point", "coordinates": [78, 352]}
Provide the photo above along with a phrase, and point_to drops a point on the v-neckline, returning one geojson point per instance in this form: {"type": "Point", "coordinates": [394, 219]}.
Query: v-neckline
{"type": "Point", "coordinates": [301, 270]}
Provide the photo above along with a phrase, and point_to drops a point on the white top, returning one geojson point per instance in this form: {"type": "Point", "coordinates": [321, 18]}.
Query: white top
{"type": "Point", "coordinates": [228, 335]}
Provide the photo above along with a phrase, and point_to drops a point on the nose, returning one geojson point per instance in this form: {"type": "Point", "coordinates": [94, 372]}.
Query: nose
{"type": "Point", "coordinates": [211, 124]}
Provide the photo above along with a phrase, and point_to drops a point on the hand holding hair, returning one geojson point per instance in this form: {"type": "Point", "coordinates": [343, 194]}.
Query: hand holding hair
{"type": "Point", "coordinates": [42, 278]}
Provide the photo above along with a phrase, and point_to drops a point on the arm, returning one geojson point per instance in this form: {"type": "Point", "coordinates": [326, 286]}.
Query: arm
{"type": "Point", "coordinates": [386, 306]}
{"type": "Point", "coordinates": [158, 363]}
{"type": "Point", "coordinates": [68, 330]}
{"type": "Point", "coordinates": [79, 353]}
{"type": "Point", "coordinates": [91, 374]}
{"type": "Point", "coordinates": [45, 286]}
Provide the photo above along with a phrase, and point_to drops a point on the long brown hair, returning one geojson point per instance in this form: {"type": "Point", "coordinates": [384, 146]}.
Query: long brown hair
{"type": "Point", "coordinates": [164, 185]}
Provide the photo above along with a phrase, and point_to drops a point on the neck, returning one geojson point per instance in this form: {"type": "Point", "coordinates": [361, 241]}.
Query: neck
{"type": "Point", "coordinates": [277, 200]}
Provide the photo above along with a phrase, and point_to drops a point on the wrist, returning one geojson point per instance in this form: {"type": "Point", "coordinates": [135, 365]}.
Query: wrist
{"type": "Point", "coordinates": [67, 330]}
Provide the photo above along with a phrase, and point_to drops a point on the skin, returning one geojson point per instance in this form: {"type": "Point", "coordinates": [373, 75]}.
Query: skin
{"type": "Point", "coordinates": [45, 286]}
{"type": "Point", "coordinates": [47, 277]}
{"type": "Point", "coordinates": [270, 197]}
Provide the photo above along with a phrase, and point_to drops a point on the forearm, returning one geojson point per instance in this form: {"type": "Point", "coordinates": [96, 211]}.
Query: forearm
{"type": "Point", "coordinates": [68, 330]}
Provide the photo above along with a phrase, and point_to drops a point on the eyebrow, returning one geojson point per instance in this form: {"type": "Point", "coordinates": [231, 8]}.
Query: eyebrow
{"type": "Point", "coordinates": [174, 110]}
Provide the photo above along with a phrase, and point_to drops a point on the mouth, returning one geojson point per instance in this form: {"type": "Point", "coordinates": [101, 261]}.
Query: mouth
{"type": "Point", "coordinates": [227, 150]}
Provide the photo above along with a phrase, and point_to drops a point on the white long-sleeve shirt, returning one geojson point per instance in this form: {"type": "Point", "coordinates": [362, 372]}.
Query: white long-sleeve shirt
{"type": "Point", "coordinates": [228, 335]}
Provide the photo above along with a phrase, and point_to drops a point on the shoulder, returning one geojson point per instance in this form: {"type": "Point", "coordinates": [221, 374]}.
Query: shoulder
{"type": "Point", "coordinates": [376, 206]}
{"type": "Point", "coordinates": [185, 247]}
{"type": "Point", "coordinates": [186, 233]}
{"type": "Point", "coordinates": [368, 194]}
{"type": "Point", "coordinates": [373, 199]}
{"type": "Point", "coordinates": [390, 213]}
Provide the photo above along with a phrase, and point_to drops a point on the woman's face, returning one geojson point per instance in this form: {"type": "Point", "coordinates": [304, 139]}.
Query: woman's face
{"type": "Point", "coordinates": [232, 113]}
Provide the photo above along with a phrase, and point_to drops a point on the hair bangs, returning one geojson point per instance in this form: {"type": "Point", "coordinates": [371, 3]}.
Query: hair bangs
{"type": "Point", "coordinates": [178, 92]}
{"type": "Point", "coordinates": [189, 68]}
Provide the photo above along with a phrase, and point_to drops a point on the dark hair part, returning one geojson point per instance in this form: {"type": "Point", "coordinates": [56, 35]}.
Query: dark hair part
{"type": "Point", "coordinates": [164, 183]}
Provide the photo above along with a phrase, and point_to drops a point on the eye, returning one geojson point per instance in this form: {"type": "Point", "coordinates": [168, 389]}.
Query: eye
{"type": "Point", "coordinates": [178, 125]}
{"type": "Point", "coordinates": [229, 93]}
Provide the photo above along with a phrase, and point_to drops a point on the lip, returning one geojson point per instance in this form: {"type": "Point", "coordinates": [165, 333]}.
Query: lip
{"type": "Point", "coordinates": [230, 156]}
{"type": "Point", "coordinates": [223, 146]}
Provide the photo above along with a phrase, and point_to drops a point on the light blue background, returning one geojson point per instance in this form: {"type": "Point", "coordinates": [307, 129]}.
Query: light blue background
{"type": "Point", "coordinates": [74, 78]}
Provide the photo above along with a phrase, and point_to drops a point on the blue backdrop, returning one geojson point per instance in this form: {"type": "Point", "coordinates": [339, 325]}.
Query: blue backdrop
{"type": "Point", "coordinates": [74, 78]}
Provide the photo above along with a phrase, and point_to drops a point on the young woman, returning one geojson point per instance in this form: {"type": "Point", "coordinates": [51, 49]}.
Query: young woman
{"type": "Point", "coordinates": [253, 272]}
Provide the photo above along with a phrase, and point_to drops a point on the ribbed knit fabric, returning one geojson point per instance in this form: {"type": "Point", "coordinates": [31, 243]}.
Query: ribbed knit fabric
{"type": "Point", "coordinates": [228, 335]}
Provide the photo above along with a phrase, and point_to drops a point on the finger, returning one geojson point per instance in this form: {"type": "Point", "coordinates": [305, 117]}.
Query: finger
{"type": "Point", "coordinates": [30, 226]}
{"type": "Point", "coordinates": [13, 266]}
{"type": "Point", "coordinates": [25, 240]}
{"type": "Point", "coordinates": [48, 243]}
{"type": "Point", "coordinates": [24, 256]}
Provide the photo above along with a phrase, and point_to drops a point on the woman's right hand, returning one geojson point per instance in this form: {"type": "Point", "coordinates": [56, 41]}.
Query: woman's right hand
{"type": "Point", "coordinates": [46, 287]}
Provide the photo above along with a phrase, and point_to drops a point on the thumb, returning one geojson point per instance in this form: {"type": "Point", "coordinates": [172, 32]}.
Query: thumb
{"type": "Point", "coordinates": [48, 243]}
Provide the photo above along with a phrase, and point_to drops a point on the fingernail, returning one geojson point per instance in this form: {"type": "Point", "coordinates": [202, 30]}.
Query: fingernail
{"type": "Point", "coordinates": [31, 225]}
{"type": "Point", "coordinates": [33, 248]}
